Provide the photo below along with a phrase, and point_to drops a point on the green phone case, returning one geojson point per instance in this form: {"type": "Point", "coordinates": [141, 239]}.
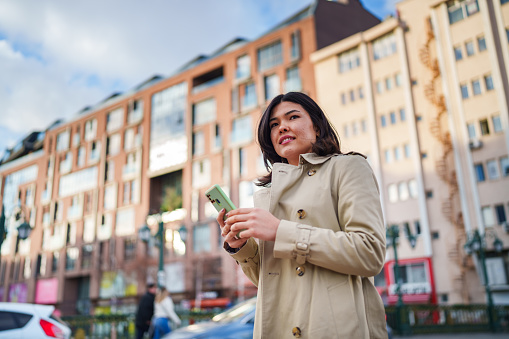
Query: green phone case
{"type": "Point", "coordinates": [219, 199]}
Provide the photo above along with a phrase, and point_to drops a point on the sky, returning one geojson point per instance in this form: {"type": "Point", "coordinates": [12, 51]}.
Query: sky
{"type": "Point", "coordinates": [57, 57]}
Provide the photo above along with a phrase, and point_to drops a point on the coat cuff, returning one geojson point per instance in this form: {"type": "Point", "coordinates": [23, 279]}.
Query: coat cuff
{"type": "Point", "coordinates": [293, 241]}
{"type": "Point", "coordinates": [247, 255]}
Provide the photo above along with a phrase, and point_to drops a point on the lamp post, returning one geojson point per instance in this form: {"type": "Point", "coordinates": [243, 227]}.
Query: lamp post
{"type": "Point", "coordinates": [392, 236]}
{"type": "Point", "coordinates": [24, 228]}
{"type": "Point", "coordinates": [476, 243]}
{"type": "Point", "coordinates": [144, 234]}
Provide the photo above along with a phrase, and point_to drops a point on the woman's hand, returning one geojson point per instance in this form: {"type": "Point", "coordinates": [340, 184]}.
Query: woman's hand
{"type": "Point", "coordinates": [250, 222]}
{"type": "Point", "coordinates": [229, 238]}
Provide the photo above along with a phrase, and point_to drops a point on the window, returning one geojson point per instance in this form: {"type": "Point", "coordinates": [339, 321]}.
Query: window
{"type": "Point", "coordinates": [241, 130]}
{"type": "Point", "coordinates": [387, 154]}
{"type": "Point", "coordinates": [383, 121]}
{"type": "Point", "coordinates": [81, 156]}
{"type": "Point", "coordinates": [270, 56]}
{"type": "Point", "coordinates": [63, 141]}
{"type": "Point", "coordinates": [293, 83]}
{"type": "Point", "coordinates": [248, 100]}
{"type": "Point", "coordinates": [469, 46]}
{"type": "Point", "coordinates": [109, 171]}
{"type": "Point", "coordinates": [487, 216]}
{"type": "Point", "coordinates": [500, 212]}
{"type": "Point", "coordinates": [201, 238]}
{"type": "Point", "coordinates": [460, 9]}
{"type": "Point", "coordinates": [12, 321]}
{"type": "Point", "coordinates": [476, 87]}
{"type": "Point", "coordinates": [457, 53]}
{"type": "Point", "coordinates": [204, 111]}
{"type": "Point", "coordinates": [242, 162]}
{"type": "Point", "coordinates": [364, 127]}
{"type": "Point", "coordinates": [354, 128]}
{"type": "Point", "coordinates": [243, 67]}
{"type": "Point", "coordinates": [388, 83]}
{"type": "Point", "coordinates": [406, 147]}
{"type": "Point", "coordinates": [86, 256]}
{"type": "Point", "coordinates": [379, 87]}
{"type": "Point", "coordinates": [114, 119]}
{"type": "Point", "coordinates": [271, 86]}
{"type": "Point", "coordinates": [488, 82]}
{"type": "Point", "coordinates": [481, 43]}
{"type": "Point", "coordinates": [217, 137]}
{"type": "Point", "coordinates": [71, 257]}
{"type": "Point", "coordinates": [497, 124]}
{"type": "Point", "coordinates": [361, 93]}
{"type": "Point", "coordinates": [492, 167]}
{"type": "Point", "coordinates": [403, 191]}
{"type": "Point", "coordinates": [384, 46]}
{"type": "Point", "coordinates": [504, 164]}
{"type": "Point", "coordinates": [393, 118]}
{"type": "Point", "coordinates": [345, 131]}
{"type": "Point", "coordinates": [402, 115]}
{"type": "Point", "coordinates": [471, 131]}
{"type": "Point", "coordinates": [352, 96]}
{"type": "Point", "coordinates": [129, 249]}
{"type": "Point", "coordinates": [110, 197]}
{"type": "Point", "coordinates": [392, 191]}
{"type": "Point", "coordinates": [135, 111]}
{"type": "Point", "coordinates": [397, 79]}
{"type": "Point", "coordinates": [113, 144]}
{"type": "Point", "coordinates": [412, 273]}
{"type": "Point", "coordinates": [485, 129]}
{"type": "Point", "coordinates": [349, 60]}
{"type": "Point", "coordinates": [295, 46]}
{"type": "Point", "coordinates": [479, 172]}
{"type": "Point", "coordinates": [464, 91]}
{"type": "Point", "coordinates": [397, 153]}
{"type": "Point", "coordinates": [343, 98]}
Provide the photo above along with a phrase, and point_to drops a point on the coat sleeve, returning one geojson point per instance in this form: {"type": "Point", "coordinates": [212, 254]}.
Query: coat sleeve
{"type": "Point", "coordinates": [169, 309]}
{"type": "Point", "coordinates": [359, 247]}
{"type": "Point", "coordinates": [248, 257]}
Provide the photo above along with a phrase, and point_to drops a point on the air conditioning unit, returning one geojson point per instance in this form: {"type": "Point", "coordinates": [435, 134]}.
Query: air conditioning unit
{"type": "Point", "coordinates": [475, 144]}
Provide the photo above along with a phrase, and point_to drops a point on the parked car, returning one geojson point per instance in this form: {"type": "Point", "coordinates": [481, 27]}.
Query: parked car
{"type": "Point", "coordinates": [234, 323]}
{"type": "Point", "coordinates": [24, 321]}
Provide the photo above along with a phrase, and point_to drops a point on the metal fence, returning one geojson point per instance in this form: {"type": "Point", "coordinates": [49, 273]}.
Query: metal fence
{"type": "Point", "coordinates": [404, 320]}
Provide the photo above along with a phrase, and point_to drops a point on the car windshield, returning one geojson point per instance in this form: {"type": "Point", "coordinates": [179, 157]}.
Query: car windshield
{"type": "Point", "coordinates": [237, 312]}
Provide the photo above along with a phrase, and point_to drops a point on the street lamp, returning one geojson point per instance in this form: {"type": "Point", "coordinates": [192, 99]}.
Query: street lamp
{"type": "Point", "coordinates": [476, 244]}
{"type": "Point", "coordinates": [24, 228]}
{"type": "Point", "coordinates": [144, 234]}
{"type": "Point", "coordinates": [392, 236]}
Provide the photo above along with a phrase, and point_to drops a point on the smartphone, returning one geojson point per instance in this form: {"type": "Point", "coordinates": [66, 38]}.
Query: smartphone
{"type": "Point", "coordinates": [219, 199]}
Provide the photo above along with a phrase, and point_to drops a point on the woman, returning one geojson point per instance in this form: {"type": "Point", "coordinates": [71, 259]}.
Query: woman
{"type": "Point", "coordinates": [163, 311]}
{"type": "Point", "coordinates": [320, 228]}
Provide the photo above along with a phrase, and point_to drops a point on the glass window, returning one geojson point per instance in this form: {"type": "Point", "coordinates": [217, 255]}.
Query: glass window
{"type": "Point", "coordinates": [114, 119]}
{"type": "Point", "coordinates": [352, 96]}
{"type": "Point", "coordinates": [110, 197]}
{"type": "Point", "coordinates": [481, 43]}
{"type": "Point", "coordinates": [345, 131]}
{"type": "Point", "coordinates": [361, 93]}
{"type": "Point", "coordinates": [402, 115]}
{"type": "Point", "coordinates": [271, 83]}
{"type": "Point", "coordinates": [204, 111]}
{"type": "Point", "coordinates": [63, 141]}
{"type": "Point", "coordinates": [201, 238]}
{"type": "Point", "coordinates": [412, 187]}
{"type": "Point", "coordinates": [379, 87]}
{"type": "Point", "coordinates": [492, 167]}
{"type": "Point", "coordinates": [460, 9]}
{"type": "Point", "coordinates": [488, 81]}
{"type": "Point", "coordinates": [469, 46]}
{"type": "Point", "coordinates": [248, 100]}
{"type": "Point", "coordinates": [397, 153]}
{"type": "Point", "coordinates": [457, 53]}
{"type": "Point", "coordinates": [295, 47]}
{"type": "Point", "coordinates": [270, 56]}
{"type": "Point", "coordinates": [90, 129]}
{"type": "Point", "coordinates": [479, 172]}
{"type": "Point", "coordinates": [388, 83]}
{"type": "Point", "coordinates": [393, 118]}
{"type": "Point", "coordinates": [293, 82]}
{"type": "Point", "coordinates": [471, 130]}
{"type": "Point", "coordinates": [487, 215]}
{"type": "Point", "coordinates": [383, 120]}
{"type": "Point", "coordinates": [392, 191]}
{"type": "Point", "coordinates": [504, 164]}
{"type": "Point", "coordinates": [71, 257]}
{"type": "Point", "coordinates": [500, 212]}
{"type": "Point", "coordinates": [243, 67]}
{"type": "Point", "coordinates": [406, 147]}
{"type": "Point", "coordinates": [349, 60]}
{"type": "Point", "coordinates": [354, 128]}
{"type": "Point", "coordinates": [242, 130]}
{"type": "Point", "coordinates": [242, 161]}
{"type": "Point", "coordinates": [384, 46]}
{"type": "Point", "coordinates": [135, 111]}
{"type": "Point", "coordinates": [113, 144]}
{"type": "Point", "coordinates": [485, 129]}
{"type": "Point", "coordinates": [476, 87]}
{"type": "Point", "coordinates": [343, 98]}
{"type": "Point", "coordinates": [388, 157]}
{"type": "Point", "coordinates": [397, 79]}
{"type": "Point", "coordinates": [364, 126]}
{"type": "Point", "coordinates": [403, 191]}
{"type": "Point", "coordinates": [497, 124]}
{"type": "Point", "coordinates": [198, 143]}
{"type": "Point", "coordinates": [464, 91]}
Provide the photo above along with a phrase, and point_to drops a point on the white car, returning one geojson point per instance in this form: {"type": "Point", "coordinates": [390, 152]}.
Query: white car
{"type": "Point", "coordinates": [24, 321]}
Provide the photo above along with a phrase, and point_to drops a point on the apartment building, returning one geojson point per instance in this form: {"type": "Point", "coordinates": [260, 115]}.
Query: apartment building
{"type": "Point", "coordinates": [425, 96]}
{"type": "Point", "coordinates": [151, 153]}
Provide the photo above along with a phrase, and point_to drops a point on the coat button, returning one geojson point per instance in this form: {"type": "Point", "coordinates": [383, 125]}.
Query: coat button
{"type": "Point", "coordinates": [300, 271]}
{"type": "Point", "coordinates": [311, 172]}
{"type": "Point", "coordinates": [301, 213]}
{"type": "Point", "coordinates": [296, 332]}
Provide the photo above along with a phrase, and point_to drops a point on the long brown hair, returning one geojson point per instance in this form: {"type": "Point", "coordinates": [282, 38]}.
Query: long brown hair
{"type": "Point", "coordinates": [161, 294]}
{"type": "Point", "coordinates": [327, 141]}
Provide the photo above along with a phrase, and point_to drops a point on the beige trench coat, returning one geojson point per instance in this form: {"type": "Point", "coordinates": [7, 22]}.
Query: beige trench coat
{"type": "Point", "coordinates": [312, 280]}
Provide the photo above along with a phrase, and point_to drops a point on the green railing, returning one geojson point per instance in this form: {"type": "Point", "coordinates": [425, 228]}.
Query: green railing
{"type": "Point", "coordinates": [412, 319]}
{"type": "Point", "coordinates": [120, 326]}
{"type": "Point", "coordinates": [422, 319]}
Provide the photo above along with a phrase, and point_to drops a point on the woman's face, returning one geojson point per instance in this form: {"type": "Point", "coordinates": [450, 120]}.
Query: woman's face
{"type": "Point", "coordinates": [291, 131]}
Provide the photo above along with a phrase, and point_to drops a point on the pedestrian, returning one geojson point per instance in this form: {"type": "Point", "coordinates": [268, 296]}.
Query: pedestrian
{"type": "Point", "coordinates": [320, 230]}
{"type": "Point", "coordinates": [164, 311]}
{"type": "Point", "coordinates": [145, 311]}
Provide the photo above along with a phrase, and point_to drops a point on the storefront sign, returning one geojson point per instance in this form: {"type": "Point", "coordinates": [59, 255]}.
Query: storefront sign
{"type": "Point", "coordinates": [46, 291]}
{"type": "Point", "coordinates": [18, 293]}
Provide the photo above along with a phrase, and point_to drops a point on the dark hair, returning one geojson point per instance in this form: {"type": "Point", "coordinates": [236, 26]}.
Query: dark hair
{"type": "Point", "coordinates": [151, 285]}
{"type": "Point", "coordinates": [327, 141]}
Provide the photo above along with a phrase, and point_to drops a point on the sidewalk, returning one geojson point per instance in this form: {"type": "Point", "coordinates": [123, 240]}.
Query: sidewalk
{"type": "Point", "coordinates": [456, 336]}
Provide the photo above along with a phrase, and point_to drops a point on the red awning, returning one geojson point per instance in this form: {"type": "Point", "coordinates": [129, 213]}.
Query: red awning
{"type": "Point", "coordinates": [208, 303]}
{"type": "Point", "coordinates": [411, 298]}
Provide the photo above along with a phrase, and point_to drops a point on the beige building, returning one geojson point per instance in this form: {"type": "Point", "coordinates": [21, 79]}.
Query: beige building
{"type": "Point", "coordinates": [425, 95]}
